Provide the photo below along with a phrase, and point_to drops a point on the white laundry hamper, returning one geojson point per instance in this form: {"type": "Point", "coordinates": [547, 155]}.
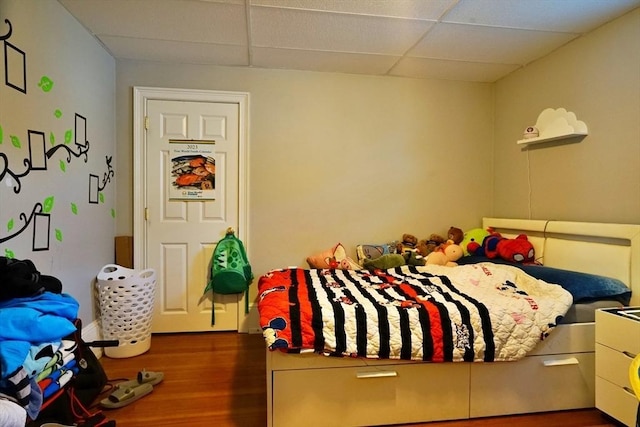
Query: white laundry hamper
{"type": "Point", "coordinates": [126, 299]}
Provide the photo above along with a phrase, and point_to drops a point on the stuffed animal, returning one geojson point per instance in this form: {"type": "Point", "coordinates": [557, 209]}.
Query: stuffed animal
{"type": "Point", "coordinates": [426, 246]}
{"type": "Point", "coordinates": [473, 240]}
{"type": "Point", "coordinates": [447, 254]}
{"type": "Point", "coordinates": [455, 234]}
{"type": "Point", "coordinates": [384, 262]}
{"type": "Point", "coordinates": [519, 249]}
{"type": "Point", "coordinates": [414, 258]}
{"type": "Point", "coordinates": [408, 243]}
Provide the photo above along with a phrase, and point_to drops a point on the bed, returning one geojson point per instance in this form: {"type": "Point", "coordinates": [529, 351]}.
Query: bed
{"type": "Point", "coordinates": [556, 373]}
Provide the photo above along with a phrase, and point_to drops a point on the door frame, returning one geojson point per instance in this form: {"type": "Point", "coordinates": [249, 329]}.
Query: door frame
{"type": "Point", "coordinates": [141, 96]}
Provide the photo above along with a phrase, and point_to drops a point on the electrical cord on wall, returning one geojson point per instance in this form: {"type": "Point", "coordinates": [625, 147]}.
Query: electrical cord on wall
{"type": "Point", "coordinates": [529, 181]}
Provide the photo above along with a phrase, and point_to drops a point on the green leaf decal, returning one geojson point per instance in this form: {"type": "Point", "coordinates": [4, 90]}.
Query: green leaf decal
{"type": "Point", "coordinates": [58, 235]}
{"type": "Point", "coordinates": [9, 253]}
{"type": "Point", "coordinates": [63, 166]}
{"type": "Point", "coordinates": [113, 213]}
{"type": "Point", "coordinates": [48, 204]}
{"type": "Point", "coordinates": [15, 141]}
{"type": "Point", "coordinates": [52, 138]}
{"type": "Point", "coordinates": [10, 225]}
{"type": "Point", "coordinates": [68, 136]}
{"type": "Point", "coordinates": [46, 84]}
{"type": "Point", "coordinates": [57, 113]}
{"type": "Point", "coordinates": [101, 197]}
{"type": "Point", "coordinates": [1, 137]}
{"type": "Point", "coordinates": [74, 209]}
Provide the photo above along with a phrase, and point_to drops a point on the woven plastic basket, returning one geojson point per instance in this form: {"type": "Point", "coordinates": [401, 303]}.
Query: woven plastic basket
{"type": "Point", "coordinates": [126, 300]}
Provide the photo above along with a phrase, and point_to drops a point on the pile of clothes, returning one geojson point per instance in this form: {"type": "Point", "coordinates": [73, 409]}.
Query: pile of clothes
{"type": "Point", "coordinates": [36, 360]}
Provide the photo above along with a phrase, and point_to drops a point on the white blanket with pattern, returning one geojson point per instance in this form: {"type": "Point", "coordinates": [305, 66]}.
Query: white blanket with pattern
{"type": "Point", "coordinates": [481, 312]}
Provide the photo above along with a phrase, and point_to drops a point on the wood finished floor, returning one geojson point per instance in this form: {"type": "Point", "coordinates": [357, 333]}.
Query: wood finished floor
{"type": "Point", "coordinates": [218, 379]}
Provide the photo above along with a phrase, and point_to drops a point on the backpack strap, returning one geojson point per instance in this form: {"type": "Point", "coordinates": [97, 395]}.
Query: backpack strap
{"type": "Point", "coordinates": [248, 274]}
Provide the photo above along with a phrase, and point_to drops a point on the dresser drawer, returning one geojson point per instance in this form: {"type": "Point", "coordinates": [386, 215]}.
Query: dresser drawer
{"type": "Point", "coordinates": [613, 365]}
{"type": "Point", "coordinates": [370, 395]}
{"type": "Point", "coordinates": [621, 404]}
{"type": "Point", "coordinates": [567, 378]}
{"type": "Point", "coordinates": [618, 332]}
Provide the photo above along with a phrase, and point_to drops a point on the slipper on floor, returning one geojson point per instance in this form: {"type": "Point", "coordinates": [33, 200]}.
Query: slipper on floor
{"type": "Point", "coordinates": [144, 377]}
{"type": "Point", "coordinates": [123, 396]}
{"type": "Point", "coordinates": [150, 377]}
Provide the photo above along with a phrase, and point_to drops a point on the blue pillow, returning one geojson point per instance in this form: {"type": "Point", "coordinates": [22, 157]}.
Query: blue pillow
{"type": "Point", "coordinates": [584, 287]}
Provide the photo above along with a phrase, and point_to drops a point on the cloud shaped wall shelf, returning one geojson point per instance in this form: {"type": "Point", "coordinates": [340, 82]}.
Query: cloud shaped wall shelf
{"type": "Point", "coordinates": [556, 124]}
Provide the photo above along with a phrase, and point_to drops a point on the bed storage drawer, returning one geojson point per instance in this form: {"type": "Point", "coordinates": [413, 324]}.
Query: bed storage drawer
{"type": "Point", "coordinates": [515, 387]}
{"type": "Point", "coordinates": [356, 396]}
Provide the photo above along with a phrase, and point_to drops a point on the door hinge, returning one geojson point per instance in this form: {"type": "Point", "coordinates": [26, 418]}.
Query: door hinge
{"type": "Point", "coordinates": [146, 122]}
{"type": "Point", "coordinates": [146, 214]}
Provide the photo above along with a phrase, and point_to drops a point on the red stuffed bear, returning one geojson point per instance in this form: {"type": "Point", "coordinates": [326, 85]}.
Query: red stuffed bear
{"type": "Point", "coordinates": [519, 249]}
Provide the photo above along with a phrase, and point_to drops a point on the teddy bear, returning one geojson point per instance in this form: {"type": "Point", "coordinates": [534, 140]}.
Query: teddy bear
{"type": "Point", "coordinates": [519, 249]}
{"type": "Point", "coordinates": [408, 243]}
{"type": "Point", "coordinates": [447, 254]}
{"type": "Point", "coordinates": [426, 246]}
{"type": "Point", "coordinates": [455, 234]}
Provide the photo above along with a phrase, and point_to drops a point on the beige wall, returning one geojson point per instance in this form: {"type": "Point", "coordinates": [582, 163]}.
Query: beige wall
{"type": "Point", "coordinates": [78, 241]}
{"type": "Point", "coordinates": [598, 179]}
{"type": "Point", "coordinates": [332, 157]}
{"type": "Point", "coordinates": [339, 158]}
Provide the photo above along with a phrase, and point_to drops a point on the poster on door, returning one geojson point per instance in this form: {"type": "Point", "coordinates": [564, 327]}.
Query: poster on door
{"type": "Point", "coordinates": [193, 170]}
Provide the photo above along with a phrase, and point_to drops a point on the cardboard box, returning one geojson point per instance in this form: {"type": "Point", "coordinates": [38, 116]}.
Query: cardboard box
{"type": "Point", "coordinates": [124, 251]}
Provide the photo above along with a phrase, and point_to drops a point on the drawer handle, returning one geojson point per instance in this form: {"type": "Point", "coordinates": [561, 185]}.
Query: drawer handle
{"type": "Point", "coordinates": [561, 362]}
{"type": "Point", "coordinates": [377, 374]}
{"type": "Point", "coordinates": [630, 391]}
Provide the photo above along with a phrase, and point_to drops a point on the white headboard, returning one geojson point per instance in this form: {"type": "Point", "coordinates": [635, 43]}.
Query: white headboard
{"type": "Point", "coordinates": [611, 250]}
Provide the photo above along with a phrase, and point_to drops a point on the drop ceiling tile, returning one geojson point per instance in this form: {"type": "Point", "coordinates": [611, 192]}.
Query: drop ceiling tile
{"type": "Point", "coordinates": [179, 52]}
{"type": "Point", "coordinates": [487, 44]}
{"type": "Point", "coordinates": [572, 16]}
{"type": "Point", "coordinates": [412, 9]}
{"type": "Point", "coordinates": [297, 29]}
{"type": "Point", "coordinates": [441, 38]}
{"type": "Point", "coordinates": [451, 70]}
{"type": "Point", "coordinates": [334, 62]}
{"type": "Point", "coordinates": [183, 20]}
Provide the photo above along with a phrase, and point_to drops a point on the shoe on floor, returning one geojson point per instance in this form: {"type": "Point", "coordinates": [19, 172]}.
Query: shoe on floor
{"type": "Point", "coordinates": [144, 377]}
{"type": "Point", "coordinates": [122, 396]}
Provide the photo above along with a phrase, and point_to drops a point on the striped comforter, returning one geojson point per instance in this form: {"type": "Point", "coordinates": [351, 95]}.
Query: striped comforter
{"type": "Point", "coordinates": [481, 312]}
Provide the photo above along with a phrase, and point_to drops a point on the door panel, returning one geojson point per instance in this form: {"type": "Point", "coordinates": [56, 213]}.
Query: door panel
{"type": "Point", "coordinates": [181, 234]}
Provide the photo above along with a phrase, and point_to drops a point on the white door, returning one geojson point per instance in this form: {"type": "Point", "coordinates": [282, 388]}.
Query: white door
{"type": "Point", "coordinates": [181, 234]}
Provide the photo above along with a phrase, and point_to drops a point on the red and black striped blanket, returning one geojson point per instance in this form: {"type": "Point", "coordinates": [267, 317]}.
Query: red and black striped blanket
{"type": "Point", "coordinates": [482, 312]}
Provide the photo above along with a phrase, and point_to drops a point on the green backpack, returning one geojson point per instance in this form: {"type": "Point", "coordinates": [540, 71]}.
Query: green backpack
{"type": "Point", "coordinates": [230, 269]}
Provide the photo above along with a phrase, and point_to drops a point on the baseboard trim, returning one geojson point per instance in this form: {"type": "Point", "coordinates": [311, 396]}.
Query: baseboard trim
{"type": "Point", "coordinates": [92, 332]}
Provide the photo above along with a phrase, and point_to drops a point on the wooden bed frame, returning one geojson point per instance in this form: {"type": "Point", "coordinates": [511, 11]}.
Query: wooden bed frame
{"type": "Point", "coordinates": [314, 390]}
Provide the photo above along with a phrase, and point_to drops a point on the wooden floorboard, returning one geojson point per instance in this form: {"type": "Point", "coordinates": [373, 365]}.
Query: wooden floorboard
{"type": "Point", "coordinates": [218, 379]}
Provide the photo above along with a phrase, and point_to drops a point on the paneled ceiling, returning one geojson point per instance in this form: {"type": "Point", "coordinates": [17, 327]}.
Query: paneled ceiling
{"type": "Point", "coordinates": [468, 40]}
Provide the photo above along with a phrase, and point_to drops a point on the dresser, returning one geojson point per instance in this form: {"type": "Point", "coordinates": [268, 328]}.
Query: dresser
{"type": "Point", "coordinates": [617, 343]}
